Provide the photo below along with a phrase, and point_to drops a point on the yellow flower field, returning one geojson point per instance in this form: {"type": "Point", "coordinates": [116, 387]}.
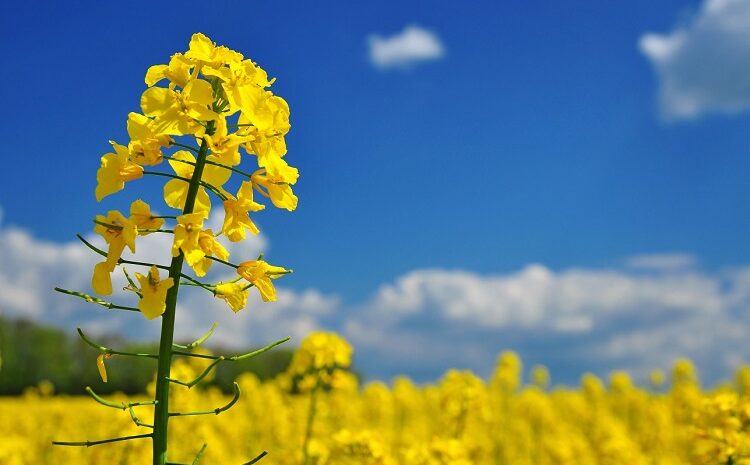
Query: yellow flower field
{"type": "Point", "coordinates": [461, 419]}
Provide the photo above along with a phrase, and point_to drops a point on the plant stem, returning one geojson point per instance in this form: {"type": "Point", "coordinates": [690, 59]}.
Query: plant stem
{"type": "Point", "coordinates": [161, 410]}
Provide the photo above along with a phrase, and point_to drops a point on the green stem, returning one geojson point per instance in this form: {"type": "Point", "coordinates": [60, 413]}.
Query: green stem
{"type": "Point", "coordinates": [120, 261]}
{"type": "Point", "coordinates": [93, 300]}
{"type": "Point", "coordinates": [199, 341]}
{"type": "Point", "coordinates": [190, 384]}
{"type": "Point", "coordinates": [256, 459]}
{"type": "Point", "coordinates": [234, 358]}
{"type": "Point", "coordinates": [209, 162]}
{"type": "Point", "coordinates": [215, 411]}
{"type": "Point", "coordinates": [107, 350]}
{"type": "Point", "coordinates": [161, 411]}
{"type": "Point", "coordinates": [103, 441]}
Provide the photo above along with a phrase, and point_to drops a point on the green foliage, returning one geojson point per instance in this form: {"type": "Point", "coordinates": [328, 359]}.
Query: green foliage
{"type": "Point", "coordinates": [30, 353]}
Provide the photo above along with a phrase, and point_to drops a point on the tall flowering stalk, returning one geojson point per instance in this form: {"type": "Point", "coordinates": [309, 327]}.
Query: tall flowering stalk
{"type": "Point", "coordinates": [214, 107]}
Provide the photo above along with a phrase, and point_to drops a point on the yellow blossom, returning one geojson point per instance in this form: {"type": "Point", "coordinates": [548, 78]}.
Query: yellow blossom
{"type": "Point", "coordinates": [119, 232]}
{"type": "Point", "coordinates": [145, 143]}
{"type": "Point", "coordinates": [210, 247]}
{"type": "Point", "coordinates": [177, 112]}
{"type": "Point", "coordinates": [154, 293]}
{"type": "Point", "coordinates": [177, 72]}
{"type": "Point", "coordinates": [234, 294]}
{"type": "Point", "coordinates": [175, 190]}
{"type": "Point", "coordinates": [236, 218]}
{"type": "Point", "coordinates": [243, 84]}
{"type": "Point", "coordinates": [140, 214]}
{"type": "Point", "coordinates": [224, 146]}
{"type": "Point", "coordinates": [260, 274]}
{"type": "Point", "coordinates": [270, 122]}
{"type": "Point", "coordinates": [205, 52]}
{"type": "Point", "coordinates": [277, 178]}
{"type": "Point", "coordinates": [186, 237]}
{"type": "Point", "coordinates": [116, 168]}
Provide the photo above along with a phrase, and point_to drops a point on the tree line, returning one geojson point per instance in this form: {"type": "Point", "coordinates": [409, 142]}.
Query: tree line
{"type": "Point", "coordinates": [31, 353]}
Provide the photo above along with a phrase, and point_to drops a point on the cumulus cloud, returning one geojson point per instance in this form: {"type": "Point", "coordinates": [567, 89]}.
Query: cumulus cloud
{"type": "Point", "coordinates": [702, 64]}
{"type": "Point", "coordinates": [405, 49]}
{"type": "Point", "coordinates": [634, 318]}
{"type": "Point", "coordinates": [644, 314]}
{"type": "Point", "coordinates": [31, 268]}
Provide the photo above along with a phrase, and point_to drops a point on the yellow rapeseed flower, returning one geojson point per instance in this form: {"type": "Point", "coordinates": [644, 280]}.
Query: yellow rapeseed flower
{"type": "Point", "coordinates": [145, 143]}
{"type": "Point", "coordinates": [205, 52]}
{"type": "Point", "coordinates": [154, 293]}
{"type": "Point", "coordinates": [177, 72]}
{"type": "Point", "coordinates": [236, 210]}
{"type": "Point", "coordinates": [260, 274]}
{"type": "Point", "coordinates": [175, 190]}
{"type": "Point", "coordinates": [116, 168]}
{"type": "Point", "coordinates": [140, 214]}
{"type": "Point", "coordinates": [186, 237]}
{"type": "Point", "coordinates": [234, 294]}
{"type": "Point", "coordinates": [177, 112]}
{"type": "Point", "coordinates": [277, 178]}
{"type": "Point", "coordinates": [210, 247]}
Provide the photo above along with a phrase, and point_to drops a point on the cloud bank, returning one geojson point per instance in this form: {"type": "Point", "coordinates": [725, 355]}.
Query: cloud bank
{"type": "Point", "coordinates": [643, 314]}
{"type": "Point", "coordinates": [30, 268]}
{"type": "Point", "coordinates": [703, 64]}
{"type": "Point", "coordinates": [409, 47]}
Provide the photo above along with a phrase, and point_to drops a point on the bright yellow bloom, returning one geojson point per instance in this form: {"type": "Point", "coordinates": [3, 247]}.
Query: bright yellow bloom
{"type": "Point", "coordinates": [145, 143]}
{"type": "Point", "coordinates": [177, 71]}
{"type": "Point", "coordinates": [177, 112]}
{"type": "Point", "coordinates": [224, 146]}
{"type": "Point", "coordinates": [270, 120]}
{"type": "Point", "coordinates": [210, 247]}
{"type": "Point", "coordinates": [236, 218]}
{"type": "Point", "coordinates": [243, 84]}
{"type": "Point", "coordinates": [140, 214]}
{"type": "Point", "coordinates": [234, 294]}
{"type": "Point", "coordinates": [186, 235]}
{"type": "Point", "coordinates": [319, 357]}
{"type": "Point", "coordinates": [154, 293]}
{"type": "Point", "coordinates": [116, 168]}
{"type": "Point", "coordinates": [120, 233]}
{"type": "Point", "coordinates": [205, 52]}
{"type": "Point", "coordinates": [175, 190]}
{"type": "Point", "coordinates": [260, 274]}
{"type": "Point", "coordinates": [278, 177]}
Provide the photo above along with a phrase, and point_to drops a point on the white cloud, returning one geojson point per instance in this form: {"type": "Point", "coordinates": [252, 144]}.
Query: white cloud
{"type": "Point", "coordinates": [703, 63]}
{"type": "Point", "coordinates": [405, 49]}
{"type": "Point", "coordinates": [31, 268]}
{"type": "Point", "coordinates": [638, 316]}
{"type": "Point", "coordinates": [622, 318]}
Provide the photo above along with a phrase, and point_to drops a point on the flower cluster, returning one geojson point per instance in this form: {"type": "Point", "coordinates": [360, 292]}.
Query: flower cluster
{"type": "Point", "coordinates": [322, 361]}
{"type": "Point", "coordinates": [212, 104]}
{"type": "Point", "coordinates": [600, 421]}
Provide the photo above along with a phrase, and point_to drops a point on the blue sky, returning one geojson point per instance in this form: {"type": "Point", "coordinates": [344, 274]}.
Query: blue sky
{"type": "Point", "coordinates": [544, 147]}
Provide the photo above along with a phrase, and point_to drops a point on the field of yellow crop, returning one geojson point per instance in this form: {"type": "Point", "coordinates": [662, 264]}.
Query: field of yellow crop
{"type": "Point", "coordinates": [460, 420]}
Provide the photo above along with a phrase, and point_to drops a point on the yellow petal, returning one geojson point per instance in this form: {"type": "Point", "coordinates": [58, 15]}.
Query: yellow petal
{"type": "Point", "coordinates": [101, 282]}
{"type": "Point", "coordinates": [156, 101]}
{"type": "Point", "coordinates": [101, 367]}
{"type": "Point", "coordinates": [155, 74]}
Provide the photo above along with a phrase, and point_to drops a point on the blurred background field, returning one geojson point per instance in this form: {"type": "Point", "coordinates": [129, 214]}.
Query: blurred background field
{"type": "Point", "coordinates": [514, 417]}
